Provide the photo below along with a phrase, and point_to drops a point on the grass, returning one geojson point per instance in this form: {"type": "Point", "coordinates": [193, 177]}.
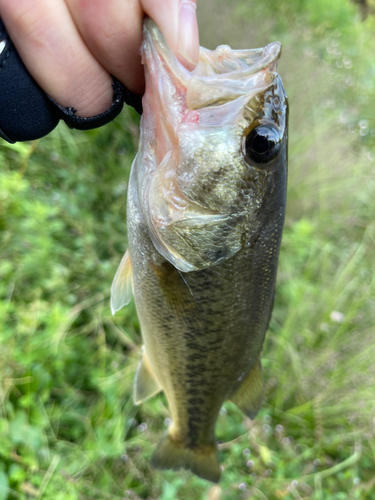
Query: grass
{"type": "Point", "coordinates": [68, 428]}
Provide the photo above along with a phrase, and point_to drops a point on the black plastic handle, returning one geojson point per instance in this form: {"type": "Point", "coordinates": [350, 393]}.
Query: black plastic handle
{"type": "Point", "coordinates": [27, 112]}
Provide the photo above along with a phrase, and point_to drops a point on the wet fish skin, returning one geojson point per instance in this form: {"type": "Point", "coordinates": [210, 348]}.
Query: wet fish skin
{"type": "Point", "coordinates": [204, 226]}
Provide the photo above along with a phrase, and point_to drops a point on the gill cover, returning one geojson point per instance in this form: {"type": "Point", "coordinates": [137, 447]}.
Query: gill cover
{"type": "Point", "coordinates": [190, 140]}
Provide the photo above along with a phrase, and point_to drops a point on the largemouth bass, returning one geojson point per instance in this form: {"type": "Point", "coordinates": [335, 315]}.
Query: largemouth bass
{"type": "Point", "coordinates": [206, 205]}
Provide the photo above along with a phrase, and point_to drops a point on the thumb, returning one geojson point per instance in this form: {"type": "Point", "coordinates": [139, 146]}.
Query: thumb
{"type": "Point", "coordinates": [177, 21]}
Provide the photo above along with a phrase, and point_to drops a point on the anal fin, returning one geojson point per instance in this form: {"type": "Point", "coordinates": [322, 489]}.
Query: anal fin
{"type": "Point", "coordinates": [249, 395]}
{"type": "Point", "coordinates": [145, 383]}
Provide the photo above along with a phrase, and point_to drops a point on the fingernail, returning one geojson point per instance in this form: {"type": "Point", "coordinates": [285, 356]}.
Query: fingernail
{"type": "Point", "coordinates": [188, 38]}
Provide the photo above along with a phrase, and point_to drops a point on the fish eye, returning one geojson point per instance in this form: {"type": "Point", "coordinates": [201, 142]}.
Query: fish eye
{"type": "Point", "coordinates": [262, 144]}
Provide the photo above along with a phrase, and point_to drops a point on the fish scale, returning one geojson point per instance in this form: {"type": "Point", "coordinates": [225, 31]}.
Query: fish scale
{"type": "Point", "coordinates": [206, 206]}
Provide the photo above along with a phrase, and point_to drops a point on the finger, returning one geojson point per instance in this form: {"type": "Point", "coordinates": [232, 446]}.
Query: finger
{"type": "Point", "coordinates": [112, 30]}
{"type": "Point", "coordinates": [55, 55]}
{"type": "Point", "coordinates": [178, 22]}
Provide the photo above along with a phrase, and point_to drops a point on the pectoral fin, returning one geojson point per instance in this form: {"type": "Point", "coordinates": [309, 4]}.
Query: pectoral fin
{"type": "Point", "coordinates": [145, 383]}
{"type": "Point", "coordinates": [122, 286]}
{"type": "Point", "coordinates": [249, 395]}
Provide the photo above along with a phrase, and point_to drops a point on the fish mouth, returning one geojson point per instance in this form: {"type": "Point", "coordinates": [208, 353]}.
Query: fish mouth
{"type": "Point", "coordinates": [221, 75]}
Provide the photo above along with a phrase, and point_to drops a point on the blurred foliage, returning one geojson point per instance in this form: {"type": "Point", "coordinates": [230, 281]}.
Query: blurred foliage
{"type": "Point", "coordinates": [68, 428]}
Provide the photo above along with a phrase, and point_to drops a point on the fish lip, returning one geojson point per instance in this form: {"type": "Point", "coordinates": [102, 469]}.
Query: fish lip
{"type": "Point", "coordinates": [251, 60]}
{"type": "Point", "coordinates": [221, 75]}
{"type": "Point", "coordinates": [153, 39]}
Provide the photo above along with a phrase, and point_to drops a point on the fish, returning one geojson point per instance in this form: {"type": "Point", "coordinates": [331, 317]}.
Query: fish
{"type": "Point", "coordinates": [205, 212]}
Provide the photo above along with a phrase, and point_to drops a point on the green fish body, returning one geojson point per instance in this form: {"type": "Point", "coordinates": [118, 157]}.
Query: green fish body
{"type": "Point", "coordinates": [206, 206]}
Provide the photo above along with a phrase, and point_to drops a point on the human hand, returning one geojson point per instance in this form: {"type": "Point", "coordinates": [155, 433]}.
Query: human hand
{"type": "Point", "coordinates": [72, 47]}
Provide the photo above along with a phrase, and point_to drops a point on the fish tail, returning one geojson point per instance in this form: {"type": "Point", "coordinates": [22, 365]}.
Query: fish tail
{"type": "Point", "coordinates": [173, 454]}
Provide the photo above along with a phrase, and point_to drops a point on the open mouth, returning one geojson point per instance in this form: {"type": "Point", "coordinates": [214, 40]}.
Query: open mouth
{"type": "Point", "coordinates": [222, 75]}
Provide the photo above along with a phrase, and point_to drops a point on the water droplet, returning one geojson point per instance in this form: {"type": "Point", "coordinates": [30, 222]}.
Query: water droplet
{"type": "Point", "coordinates": [317, 462]}
{"type": "Point", "coordinates": [167, 422]}
{"type": "Point", "coordinates": [349, 82]}
{"type": "Point", "coordinates": [242, 486]}
{"type": "Point", "coordinates": [337, 317]}
{"type": "Point", "coordinates": [54, 156]}
{"type": "Point", "coordinates": [347, 63]}
{"type": "Point", "coordinates": [142, 427]}
{"type": "Point", "coordinates": [246, 452]}
{"type": "Point", "coordinates": [279, 428]}
{"type": "Point", "coordinates": [324, 327]}
{"type": "Point", "coordinates": [124, 458]}
{"type": "Point", "coordinates": [356, 481]}
{"type": "Point", "coordinates": [327, 103]}
{"type": "Point", "coordinates": [343, 118]}
{"type": "Point", "coordinates": [223, 412]}
{"type": "Point", "coordinates": [250, 464]}
{"type": "Point", "coordinates": [267, 428]}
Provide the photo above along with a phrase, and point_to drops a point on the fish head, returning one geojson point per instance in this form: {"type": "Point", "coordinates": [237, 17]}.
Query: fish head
{"type": "Point", "coordinates": [213, 149]}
